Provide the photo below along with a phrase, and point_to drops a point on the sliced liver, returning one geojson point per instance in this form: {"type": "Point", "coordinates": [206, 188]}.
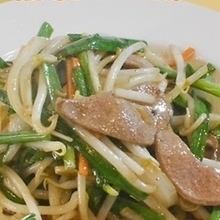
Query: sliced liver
{"type": "Point", "coordinates": [161, 110]}
{"type": "Point", "coordinates": [109, 115]}
{"type": "Point", "coordinates": [194, 181]}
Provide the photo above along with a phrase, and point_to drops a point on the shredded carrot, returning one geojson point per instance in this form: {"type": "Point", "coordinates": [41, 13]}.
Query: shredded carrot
{"type": "Point", "coordinates": [188, 54]}
{"type": "Point", "coordinates": [172, 64]}
{"type": "Point", "coordinates": [83, 166]}
{"type": "Point", "coordinates": [75, 62]}
{"type": "Point", "coordinates": [69, 77]}
{"type": "Point", "coordinates": [71, 64]}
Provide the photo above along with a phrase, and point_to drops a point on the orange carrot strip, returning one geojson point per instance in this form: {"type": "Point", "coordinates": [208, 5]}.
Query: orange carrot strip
{"type": "Point", "coordinates": [71, 64]}
{"type": "Point", "coordinates": [83, 166]}
{"type": "Point", "coordinates": [172, 64]}
{"type": "Point", "coordinates": [188, 54]}
{"type": "Point", "coordinates": [75, 62]}
{"type": "Point", "coordinates": [69, 77]}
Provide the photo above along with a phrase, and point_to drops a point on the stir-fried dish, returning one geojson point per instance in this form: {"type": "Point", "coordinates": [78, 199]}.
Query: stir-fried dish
{"type": "Point", "coordinates": [95, 127]}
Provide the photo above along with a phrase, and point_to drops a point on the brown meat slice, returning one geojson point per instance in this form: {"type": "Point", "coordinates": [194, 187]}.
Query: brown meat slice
{"type": "Point", "coordinates": [194, 181]}
{"type": "Point", "coordinates": [161, 109]}
{"type": "Point", "coordinates": [162, 112]}
{"type": "Point", "coordinates": [108, 115]}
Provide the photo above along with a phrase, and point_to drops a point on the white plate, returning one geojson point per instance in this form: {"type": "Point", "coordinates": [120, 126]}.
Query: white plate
{"type": "Point", "coordinates": [160, 21]}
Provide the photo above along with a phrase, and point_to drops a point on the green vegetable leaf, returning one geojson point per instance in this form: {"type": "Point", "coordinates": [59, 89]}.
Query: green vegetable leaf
{"type": "Point", "coordinates": [80, 81]}
{"type": "Point", "coordinates": [8, 193]}
{"type": "Point", "coordinates": [141, 209]}
{"type": "Point", "coordinates": [53, 82]}
{"type": "Point", "coordinates": [95, 42]}
{"type": "Point", "coordinates": [46, 30]}
{"type": "Point", "coordinates": [22, 137]}
{"type": "Point", "coordinates": [69, 158]}
{"type": "Point", "coordinates": [29, 217]}
{"type": "Point", "coordinates": [215, 214]}
{"type": "Point", "coordinates": [3, 64]}
{"type": "Point", "coordinates": [199, 136]}
{"type": "Point", "coordinates": [84, 63]}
